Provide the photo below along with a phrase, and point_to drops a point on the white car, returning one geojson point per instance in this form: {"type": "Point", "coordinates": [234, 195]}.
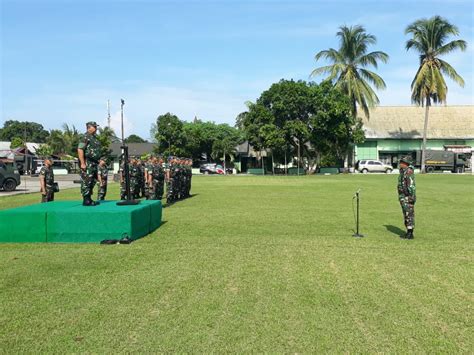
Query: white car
{"type": "Point", "coordinates": [373, 166]}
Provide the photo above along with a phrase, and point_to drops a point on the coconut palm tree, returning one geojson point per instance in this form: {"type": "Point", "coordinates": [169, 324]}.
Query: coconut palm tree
{"type": "Point", "coordinates": [429, 39]}
{"type": "Point", "coordinates": [348, 71]}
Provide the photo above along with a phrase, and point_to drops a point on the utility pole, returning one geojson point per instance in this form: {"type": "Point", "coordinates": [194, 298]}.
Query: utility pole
{"type": "Point", "coordinates": [108, 114]}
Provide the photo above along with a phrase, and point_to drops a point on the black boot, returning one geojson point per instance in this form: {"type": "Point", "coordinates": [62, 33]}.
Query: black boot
{"type": "Point", "coordinates": [409, 234]}
{"type": "Point", "coordinates": [86, 201]}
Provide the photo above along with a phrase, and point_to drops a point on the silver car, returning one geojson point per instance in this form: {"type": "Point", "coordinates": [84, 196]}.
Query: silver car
{"type": "Point", "coordinates": [373, 166]}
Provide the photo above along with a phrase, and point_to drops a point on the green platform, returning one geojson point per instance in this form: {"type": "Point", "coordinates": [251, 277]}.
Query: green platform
{"type": "Point", "coordinates": [70, 222]}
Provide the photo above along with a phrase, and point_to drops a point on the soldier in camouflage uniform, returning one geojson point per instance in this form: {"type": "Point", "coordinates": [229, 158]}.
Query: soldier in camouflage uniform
{"type": "Point", "coordinates": [123, 190]}
{"type": "Point", "coordinates": [141, 179]}
{"type": "Point", "coordinates": [407, 195]}
{"type": "Point", "coordinates": [102, 175]}
{"type": "Point", "coordinates": [147, 167]}
{"type": "Point", "coordinates": [135, 174]}
{"type": "Point", "coordinates": [170, 181]}
{"type": "Point", "coordinates": [89, 152]}
{"type": "Point", "coordinates": [46, 176]}
{"type": "Point", "coordinates": [156, 179]}
{"type": "Point", "coordinates": [189, 171]}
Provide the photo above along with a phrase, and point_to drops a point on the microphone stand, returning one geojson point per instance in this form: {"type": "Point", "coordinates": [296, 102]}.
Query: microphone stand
{"type": "Point", "coordinates": [128, 201]}
{"type": "Point", "coordinates": [357, 234]}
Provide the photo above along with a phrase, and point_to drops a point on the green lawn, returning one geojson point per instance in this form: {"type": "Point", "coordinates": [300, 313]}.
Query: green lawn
{"type": "Point", "coordinates": [261, 264]}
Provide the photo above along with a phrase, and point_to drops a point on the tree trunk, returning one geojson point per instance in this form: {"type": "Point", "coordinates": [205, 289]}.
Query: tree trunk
{"type": "Point", "coordinates": [425, 128]}
{"type": "Point", "coordinates": [286, 165]}
{"type": "Point", "coordinates": [299, 157]}
{"type": "Point", "coordinates": [225, 170]}
{"type": "Point", "coordinates": [261, 160]}
{"type": "Point", "coordinates": [273, 165]}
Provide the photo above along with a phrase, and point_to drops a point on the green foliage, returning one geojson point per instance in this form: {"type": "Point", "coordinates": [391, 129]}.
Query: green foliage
{"type": "Point", "coordinates": [169, 135]}
{"type": "Point", "coordinates": [133, 138]}
{"type": "Point", "coordinates": [429, 39]}
{"type": "Point", "coordinates": [106, 136]}
{"type": "Point", "coordinates": [348, 71]}
{"type": "Point", "coordinates": [316, 117]}
{"type": "Point", "coordinates": [17, 142]}
{"type": "Point", "coordinates": [255, 265]}
{"type": "Point", "coordinates": [44, 150]}
{"type": "Point", "coordinates": [28, 131]}
{"type": "Point", "coordinates": [65, 141]}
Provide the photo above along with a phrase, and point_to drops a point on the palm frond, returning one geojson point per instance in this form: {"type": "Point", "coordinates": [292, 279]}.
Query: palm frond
{"type": "Point", "coordinates": [447, 69]}
{"type": "Point", "coordinates": [452, 46]}
{"type": "Point", "coordinates": [373, 78]}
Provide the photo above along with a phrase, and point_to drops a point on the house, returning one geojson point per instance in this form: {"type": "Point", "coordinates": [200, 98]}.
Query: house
{"type": "Point", "coordinates": [395, 131]}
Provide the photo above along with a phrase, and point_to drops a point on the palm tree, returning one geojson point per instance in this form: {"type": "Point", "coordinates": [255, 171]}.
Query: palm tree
{"type": "Point", "coordinates": [348, 71]}
{"type": "Point", "coordinates": [429, 37]}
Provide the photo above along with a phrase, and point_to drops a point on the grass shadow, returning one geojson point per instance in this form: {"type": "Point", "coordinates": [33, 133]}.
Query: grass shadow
{"type": "Point", "coordinates": [394, 230]}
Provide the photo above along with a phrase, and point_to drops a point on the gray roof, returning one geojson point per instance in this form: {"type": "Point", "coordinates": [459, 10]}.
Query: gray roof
{"type": "Point", "coordinates": [134, 149]}
{"type": "Point", "coordinates": [444, 122]}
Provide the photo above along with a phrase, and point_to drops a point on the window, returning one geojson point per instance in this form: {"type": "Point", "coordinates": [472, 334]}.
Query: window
{"type": "Point", "coordinates": [371, 163]}
{"type": "Point", "coordinates": [377, 163]}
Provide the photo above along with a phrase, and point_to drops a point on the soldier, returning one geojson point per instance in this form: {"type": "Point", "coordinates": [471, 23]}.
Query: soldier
{"type": "Point", "coordinates": [147, 167]}
{"type": "Point", "coordinates": [156, 177]}
{"type": "Point", "coordinates": [141, 179]}
{"type": "Point", "coordinates": [46, 176]}
{"type": "Point", "coordinates": [135, 173]}
{"type": "Point", "coordinates": [102, 175]}
{"type": "Point", "coordinates": [407, 195]}
{"type": "Point", "coordinates": [89, 152]}
{"type": "Point", "coordinates": [123, 190]}
{"type": "Point", "coordinates": [170, 181]}
{"type": "Point", "coordinates": [189, 178]}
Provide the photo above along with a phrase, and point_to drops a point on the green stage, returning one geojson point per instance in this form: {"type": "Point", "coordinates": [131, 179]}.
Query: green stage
{"type": "Point", "coordinates": [70, 222]}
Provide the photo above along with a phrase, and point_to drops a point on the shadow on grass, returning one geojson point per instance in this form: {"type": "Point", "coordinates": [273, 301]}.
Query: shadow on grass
{"type": "Point", "coordinates": [395, 230]}
{"type": "Point", "coordinates": [175, 202]}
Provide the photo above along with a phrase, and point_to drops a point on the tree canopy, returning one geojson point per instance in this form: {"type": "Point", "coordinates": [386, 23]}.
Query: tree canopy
{"type": "Point", "coordinates": [28, 131]}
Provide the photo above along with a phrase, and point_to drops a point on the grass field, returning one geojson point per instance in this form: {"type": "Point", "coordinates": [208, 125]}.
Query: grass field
{"type": "Point", "coordinates": [261, 264]}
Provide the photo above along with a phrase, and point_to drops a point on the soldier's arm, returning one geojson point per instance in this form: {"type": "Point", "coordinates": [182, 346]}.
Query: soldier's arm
{"type": "Point", "coordinates": [80, 152]}
{"type": "Point", "coordinates": [99, 178]}
{"type": "Point", "coordinates": [42, 182]}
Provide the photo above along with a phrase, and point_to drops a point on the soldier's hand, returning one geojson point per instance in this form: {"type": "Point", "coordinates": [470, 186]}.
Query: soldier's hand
{"type": "Point", "coordinates": [83, 166]}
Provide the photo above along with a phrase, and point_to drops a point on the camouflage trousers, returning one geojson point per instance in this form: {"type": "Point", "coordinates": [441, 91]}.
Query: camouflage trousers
{"type": "Point", "coordinates": [48, 196]}
{"type": "Point", "coordinates": [170, 193]}
{"type": "Point", "coordinates": [123, 191]}
{"type": "Point", "coordinates": [408, 209]}
{"type": "Point", "coordinates": [135, 188]}
{"type": "Point", "coordinates": [88, 179]}
{"type": "Point", "coordinates": [157, 189]}
{"type": "Point", "coordinates": [102, 192]}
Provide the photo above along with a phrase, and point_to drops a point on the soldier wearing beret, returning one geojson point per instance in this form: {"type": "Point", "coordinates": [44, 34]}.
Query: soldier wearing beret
{"type": "Point", "coordinates": [407, 195]}
{"type": "Point", "coordinates": [89, 152]}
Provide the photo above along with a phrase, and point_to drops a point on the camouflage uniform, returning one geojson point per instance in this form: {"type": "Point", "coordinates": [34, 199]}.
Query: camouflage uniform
{"type": "Point", "coordinates": [123, 191]}
{"type": "Point", "coordinates": [48, 174]}
{"type": "Point", "coordinates": [158, 181]}
{"type": "Point", "coordinates": [170, 190]}
{"type": "Point", "coordinates": [135, 173]}
{"type": "Point", "coordinates": [141, 178]}
{"type": "Point", "coordinates": [407, 195]}
{"type": "Point", "coordinates": [104, 173]}
{"type": "Point", "coordinates": [92, 152]}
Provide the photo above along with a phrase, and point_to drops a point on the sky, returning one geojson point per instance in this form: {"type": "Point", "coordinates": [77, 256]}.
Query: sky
{"type": "Point", "coordinates": [61, 60]}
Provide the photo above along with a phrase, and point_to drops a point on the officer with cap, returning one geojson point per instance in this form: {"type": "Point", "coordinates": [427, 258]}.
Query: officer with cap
{"type": "Point", "coordinates": [102, 175]}
{"type": "Point", "coordinates": [46, 177]}
{"type": "Point", "coordinates": [407, 195]}
{"type": "Point", "coordinates": [89, 153]}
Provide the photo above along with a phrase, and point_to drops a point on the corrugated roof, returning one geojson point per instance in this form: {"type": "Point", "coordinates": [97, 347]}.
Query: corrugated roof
{"type": "Point", "coordinates": [444, 122]}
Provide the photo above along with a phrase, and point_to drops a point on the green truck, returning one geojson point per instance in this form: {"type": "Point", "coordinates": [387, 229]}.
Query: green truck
{"type": "Point", "coordinates": [9, 176]}
{"type": "Point", "coordinates": [443, 160]}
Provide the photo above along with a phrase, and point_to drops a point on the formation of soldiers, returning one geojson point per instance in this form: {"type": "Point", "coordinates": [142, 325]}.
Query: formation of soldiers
{"type": "Point", "coordinates": [149, 177]}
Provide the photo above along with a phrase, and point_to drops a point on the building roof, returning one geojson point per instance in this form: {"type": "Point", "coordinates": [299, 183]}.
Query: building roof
{"type": "Point", "coordinates": [444, 122]}
{"type": "Point", "coordinates": [134, 149]}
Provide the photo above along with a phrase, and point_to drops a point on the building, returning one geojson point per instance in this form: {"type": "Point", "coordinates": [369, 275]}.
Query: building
{"type": "Point", "coordinates": [392, 132]}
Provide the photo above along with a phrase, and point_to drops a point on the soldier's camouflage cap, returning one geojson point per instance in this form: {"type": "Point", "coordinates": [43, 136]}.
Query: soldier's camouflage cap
{"type": "Point", "coordinates": [406, 160]}
{"type": "Point", "coordinates": [91, 123]}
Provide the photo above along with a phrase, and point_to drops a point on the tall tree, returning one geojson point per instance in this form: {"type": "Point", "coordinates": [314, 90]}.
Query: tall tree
{"type": "Point", "coordinates": [28, 131]}
{"type": "Point", "coordinates": [106, 136]}
{"type": "Point", "coordinates": [430, 39]}
{"type": "Point", "coordinates": [133, 138]}
{"type": "Point", "coordinates": [348, 71]}
{"type": "Point", "coordinates": [169, 135]}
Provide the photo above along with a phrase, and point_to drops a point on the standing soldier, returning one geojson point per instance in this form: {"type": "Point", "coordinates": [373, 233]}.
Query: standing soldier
{"type": "Point", "coordinates": [156, 178]}
{"type": "Point", "coordinates": [135, 173]}
{"type": "Point", "coordinates": [46, 176]}
{"type": "Point", "coordinates": [190, 176]}
{"type": "Point", "coordinates": [123, 190]}
{"type": "Point", "coordinates": [89, 152]}
{"type": "Point", "coordinates": [407, 195]}
{"type": "Point", "coordinates": [141, 180]}
{"type": "Point", "coordinates": [102, 175]}
{"type": "Point", "coordinates": [170, 181]}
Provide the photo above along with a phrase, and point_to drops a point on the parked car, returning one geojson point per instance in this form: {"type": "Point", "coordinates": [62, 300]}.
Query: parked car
{"type": "Point", "coordinates": [9, 176]}
{"type": "Point", "coordinates": [211, 168]}
{"type": "Point", "coordinates": [373, 166]}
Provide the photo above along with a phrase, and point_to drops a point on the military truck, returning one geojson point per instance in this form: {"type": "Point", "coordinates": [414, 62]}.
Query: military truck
{"type": "Point", "coordinates": [9, 176]}
{"type": "Point", "coordinates": [443, 160]}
